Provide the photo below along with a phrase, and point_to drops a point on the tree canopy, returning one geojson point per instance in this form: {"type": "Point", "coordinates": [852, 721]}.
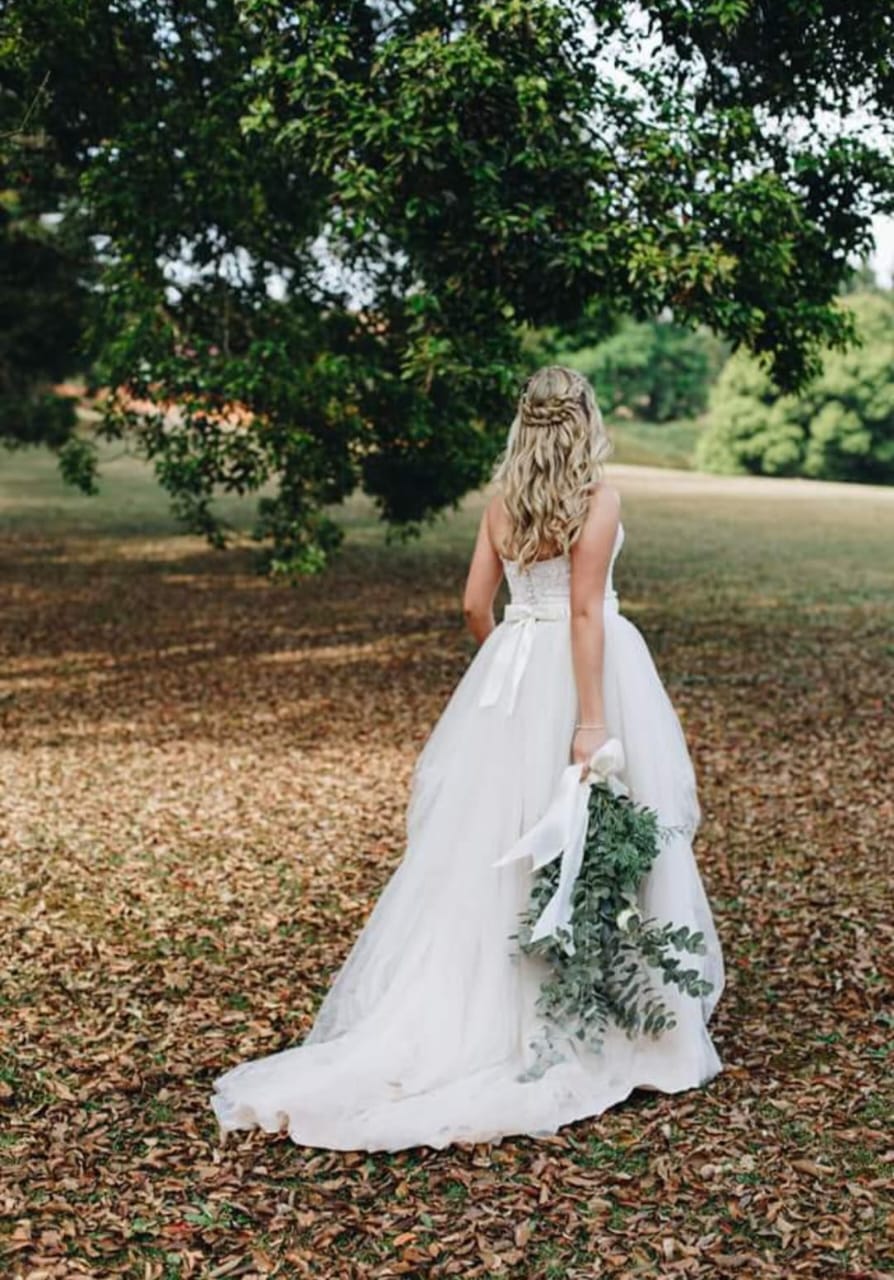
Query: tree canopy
{"type": "Point", "coordinates": [651, 370]}
{"type": "Point", "coordinates": [840, 428]}
{"type": "Point", "coordinates": [319, 232]}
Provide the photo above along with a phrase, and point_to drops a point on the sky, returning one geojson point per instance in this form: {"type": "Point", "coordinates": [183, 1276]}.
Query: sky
{"type": "Point", "coordinates": [883, 259]}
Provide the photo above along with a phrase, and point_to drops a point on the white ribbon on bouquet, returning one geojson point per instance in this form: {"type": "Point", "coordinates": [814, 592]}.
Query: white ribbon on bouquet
{"type": "Point", "coordinates": [562, 831]}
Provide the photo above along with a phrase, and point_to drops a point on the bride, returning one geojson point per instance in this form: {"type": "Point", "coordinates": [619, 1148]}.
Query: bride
{"type": "Point", "coordinates": [426, 1034]}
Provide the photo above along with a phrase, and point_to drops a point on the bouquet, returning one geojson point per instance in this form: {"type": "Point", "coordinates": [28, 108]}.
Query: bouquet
{"type": "Point", "coordinates": [591, 851]}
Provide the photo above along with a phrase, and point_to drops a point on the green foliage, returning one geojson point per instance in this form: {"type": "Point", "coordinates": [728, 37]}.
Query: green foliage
{"type": "Point", "coordinates": [321, 232]}
{"type": "Point", "coordinates": [44, 266]}
{"type": "Point", "coordinates": [841, 427]}
{"type": "Point", "coordinates": [607, 978]}
{"type": "Point", "coordinates": [656, 371]}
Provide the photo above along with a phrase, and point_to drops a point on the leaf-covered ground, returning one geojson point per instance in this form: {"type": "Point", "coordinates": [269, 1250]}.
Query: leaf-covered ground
{"type": "Point", "coordinates": [202, 787]}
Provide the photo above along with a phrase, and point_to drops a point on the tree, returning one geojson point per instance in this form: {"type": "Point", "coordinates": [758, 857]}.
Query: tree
{"type": "Point", "coordinates": [656, 370]}
{"type": "Point", "coordinates": [841, 427]}
{"type": "Point", "coordinates": [45, 270]}
{"type": "Point", "coordinates": [322, 230]}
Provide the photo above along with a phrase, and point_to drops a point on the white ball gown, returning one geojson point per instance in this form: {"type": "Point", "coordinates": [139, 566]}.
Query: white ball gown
{"type": "Point", "coordinates": [425, 1035]}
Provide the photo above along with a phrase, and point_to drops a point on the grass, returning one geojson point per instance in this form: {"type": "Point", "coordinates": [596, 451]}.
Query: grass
{"type": "Point", "coordinates": [202, 788]}
{"type": "Point", "coordinates": [655, 444]}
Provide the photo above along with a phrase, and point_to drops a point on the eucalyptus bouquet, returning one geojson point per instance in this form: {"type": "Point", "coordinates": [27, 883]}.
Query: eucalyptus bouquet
{"type": "Point", "coordinates": [591, 852]}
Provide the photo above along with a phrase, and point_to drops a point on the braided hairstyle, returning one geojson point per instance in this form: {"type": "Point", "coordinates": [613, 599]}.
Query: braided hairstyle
{"type": "Point", "coordinates": [554, 455]}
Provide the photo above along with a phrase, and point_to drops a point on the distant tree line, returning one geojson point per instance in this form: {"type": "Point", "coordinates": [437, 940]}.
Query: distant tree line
{"type": "Point", "coordinates": [841, 425]}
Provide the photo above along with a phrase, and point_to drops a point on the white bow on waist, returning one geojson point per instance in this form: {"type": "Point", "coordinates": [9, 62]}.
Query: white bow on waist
{"type": "Point", "coordinates": [514, 646]}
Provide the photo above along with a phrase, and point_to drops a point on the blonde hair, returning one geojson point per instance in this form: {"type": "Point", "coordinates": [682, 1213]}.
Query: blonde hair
{"type": "Point", "coordinates": [554, 455]}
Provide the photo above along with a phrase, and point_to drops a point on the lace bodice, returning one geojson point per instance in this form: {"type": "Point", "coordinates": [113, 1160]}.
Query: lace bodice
{"type": "Point", "coordinates": [548, 582]}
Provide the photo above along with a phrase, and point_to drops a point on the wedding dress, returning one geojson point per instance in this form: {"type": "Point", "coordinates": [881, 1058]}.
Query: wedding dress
{"type": "Point", "coordinates": [426, 1033]}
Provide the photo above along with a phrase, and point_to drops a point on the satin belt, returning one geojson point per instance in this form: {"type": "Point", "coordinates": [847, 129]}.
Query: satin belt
{"type": "Point", "coordinates": [514, 645]}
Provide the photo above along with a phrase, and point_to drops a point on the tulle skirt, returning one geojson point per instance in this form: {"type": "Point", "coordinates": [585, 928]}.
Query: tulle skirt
{"type": "Point", "coordinates": [425, 1035]}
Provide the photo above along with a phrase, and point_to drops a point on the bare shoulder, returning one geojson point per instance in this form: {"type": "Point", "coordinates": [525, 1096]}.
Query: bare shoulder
{"type": "Point", "coordinates": [497, 520]}
{"type": "Point", "coordinates": [615, 493]}
{"type": "Point", "coordinates": [603, 516]}
{"type": "Point", "coordinates": [607, 497]}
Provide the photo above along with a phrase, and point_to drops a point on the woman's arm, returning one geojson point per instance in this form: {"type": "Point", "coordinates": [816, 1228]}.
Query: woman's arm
{"type": "Point", "coordinates": [485, 572]}
{"type": "Point", "coordinates": [590, 560]}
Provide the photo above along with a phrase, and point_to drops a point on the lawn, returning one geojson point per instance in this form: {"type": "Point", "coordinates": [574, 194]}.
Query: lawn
{"type": "Point", "coordinates": [656, 444]}
{"type": "Point", "coordinates": [202, 788]}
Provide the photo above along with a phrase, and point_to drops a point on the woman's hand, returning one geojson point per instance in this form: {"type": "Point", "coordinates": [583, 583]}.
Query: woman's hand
{"type": "Point", "coordinates": [584, 743]}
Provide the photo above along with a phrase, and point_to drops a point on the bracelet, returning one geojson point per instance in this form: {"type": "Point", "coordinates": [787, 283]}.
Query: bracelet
{"type": "Point", "coordinates": [600, 725]}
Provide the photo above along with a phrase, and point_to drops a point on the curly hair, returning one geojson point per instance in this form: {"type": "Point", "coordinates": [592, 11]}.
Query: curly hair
{"type": "Point", "coordinates": [554, 455]}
